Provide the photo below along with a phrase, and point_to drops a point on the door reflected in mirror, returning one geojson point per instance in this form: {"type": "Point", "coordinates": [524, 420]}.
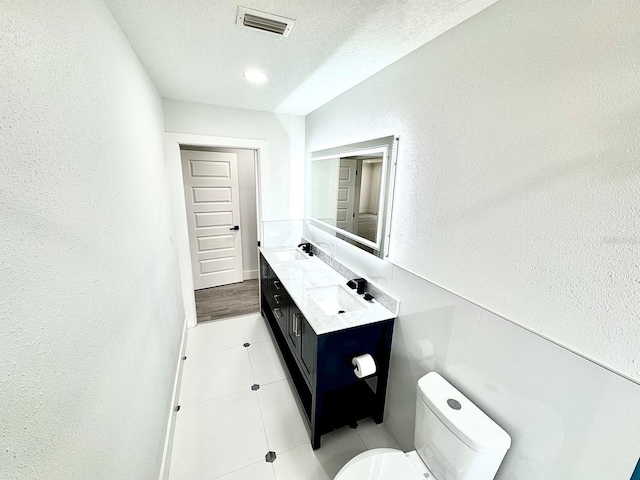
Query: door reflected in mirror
{"type": "Point", "coordinates": [347, 193]}
{"type": "Point", "coordinates": [348, 196]}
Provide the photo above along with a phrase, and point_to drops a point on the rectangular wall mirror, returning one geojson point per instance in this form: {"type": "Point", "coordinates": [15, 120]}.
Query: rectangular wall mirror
{"type": "Point", "coordinates": [352, 192]}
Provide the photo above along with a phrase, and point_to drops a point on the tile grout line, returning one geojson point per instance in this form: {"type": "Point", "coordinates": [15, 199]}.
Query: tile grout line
{"type": "Point", "coordinates": [182, 405]}
{"type": "Point", "coordinates": [218, 351]}
{"type": "Point", "coordinates": [236, 470]}
{"type": "Point", "coordinates": [237, 391]}
{"type": "Point", "coordinates": [293, 448]}
{"type": "Point", "coordinates": [244, 340]}
{"type": "Point", "coordinates": [212, 352]}
{"type": "Point", "coordinates": [273, 381]}
{"type": "Point", "coordinates": [258, 399]}
{"type": "Point", "coordinates": [361, 439]}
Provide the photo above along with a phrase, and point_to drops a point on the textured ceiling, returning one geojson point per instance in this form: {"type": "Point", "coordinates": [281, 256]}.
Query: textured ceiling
{"type": "Point", "coordinates": [193, 50]}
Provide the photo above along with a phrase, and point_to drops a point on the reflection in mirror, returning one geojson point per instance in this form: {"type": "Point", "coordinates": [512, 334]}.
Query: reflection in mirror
{"type": "Point", "coordinates": [349, 192]}
{"type": "Point", "coordinates": [359, 194]}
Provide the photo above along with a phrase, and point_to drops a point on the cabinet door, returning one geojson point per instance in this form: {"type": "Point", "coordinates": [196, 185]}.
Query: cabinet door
{"type": "Point", "coordinates": [308, 342]}
{"type": "Point", "coordinates": [293, 333]}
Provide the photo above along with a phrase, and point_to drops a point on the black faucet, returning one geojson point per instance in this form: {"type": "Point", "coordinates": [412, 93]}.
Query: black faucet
{"type": "Point", "coordinates": [358, 283]}
{"type": "Point", "coordinates": [306, 247]}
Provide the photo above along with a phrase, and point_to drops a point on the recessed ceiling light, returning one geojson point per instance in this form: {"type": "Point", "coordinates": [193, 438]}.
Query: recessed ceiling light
{"type": "Point", "coordinates": [255, 76]}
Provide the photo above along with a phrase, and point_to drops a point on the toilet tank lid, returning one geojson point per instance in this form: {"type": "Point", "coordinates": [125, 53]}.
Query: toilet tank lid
{"type": "Point", "coordinates": [461, 416]}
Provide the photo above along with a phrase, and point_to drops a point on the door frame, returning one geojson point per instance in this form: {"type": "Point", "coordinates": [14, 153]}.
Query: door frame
{"type": "Point", "coordinates": [173, 142]}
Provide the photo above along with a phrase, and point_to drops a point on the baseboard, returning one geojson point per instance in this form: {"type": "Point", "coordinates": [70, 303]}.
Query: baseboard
{"type": "Point", "coordinates": [168, 442]}
{"type": "Point", "coordinates": [249, 274]}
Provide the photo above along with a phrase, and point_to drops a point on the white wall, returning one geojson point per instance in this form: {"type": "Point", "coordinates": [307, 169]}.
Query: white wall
{"type": "Point", "coordinates": [282, 175]}
{"type": "Point", "coordinates": [365, 188]}
{"type": "Point", "coordinates": [90, 309]}
{"type": "Point", "coordinates": [518, 182]}
{"type": "Point", "coordinates": [374, 189]}
{"type": "Point", "coordinates": [517, 188]}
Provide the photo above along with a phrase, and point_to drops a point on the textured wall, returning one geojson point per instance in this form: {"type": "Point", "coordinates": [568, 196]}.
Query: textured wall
{"type": "Point", "coordinates": [281, 176]}
{"type": "Point", "coordinates": [518, 181]}
{"type": "Point", "coordinates": [90, 312]}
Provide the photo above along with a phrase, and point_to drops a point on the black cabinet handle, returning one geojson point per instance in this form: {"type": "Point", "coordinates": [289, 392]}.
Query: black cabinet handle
{"type": "Point", "coordinates": [278, 312]}
{"type": "Point", "coordinates": [276, 284]}
{"type": "Point", "coordinates": [278, 299]}
{"type": "Point", "coordinates": [235, 228]}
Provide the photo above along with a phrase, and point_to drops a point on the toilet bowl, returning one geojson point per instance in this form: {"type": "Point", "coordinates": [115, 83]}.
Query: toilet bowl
{"type": "Point", "coordinates": [454, 440]}
{"type": "Point", "coordinates": [385, 464]}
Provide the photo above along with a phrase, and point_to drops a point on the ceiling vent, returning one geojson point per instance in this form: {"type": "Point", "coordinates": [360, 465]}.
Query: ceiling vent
{"type": "Point", "coordinates": [264, 21]}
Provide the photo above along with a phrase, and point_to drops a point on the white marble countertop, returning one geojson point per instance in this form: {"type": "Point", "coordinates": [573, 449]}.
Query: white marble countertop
{"type": "Point", "coordinates": [300, 276]}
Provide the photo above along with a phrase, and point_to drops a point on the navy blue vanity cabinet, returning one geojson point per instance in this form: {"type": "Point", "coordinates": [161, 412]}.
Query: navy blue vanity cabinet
{"type": "Point", "coordinates": [326, 388]}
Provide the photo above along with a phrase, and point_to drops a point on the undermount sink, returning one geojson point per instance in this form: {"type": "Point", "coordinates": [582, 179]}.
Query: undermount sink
{"type": "Point", "coordinates": [290, 256]}
{"type": "Point", "coordinates": [336, 299]}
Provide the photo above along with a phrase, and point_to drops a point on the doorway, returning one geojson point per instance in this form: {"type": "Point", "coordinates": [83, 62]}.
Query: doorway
{"type": "Point", "coordinates": [250, 225]}
{"type": "Point", "coordinates": [220, 200]}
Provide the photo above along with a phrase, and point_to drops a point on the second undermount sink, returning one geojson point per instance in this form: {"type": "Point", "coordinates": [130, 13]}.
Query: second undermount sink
{"type": "Point", "coordinates": [336, 299]}
{"type": "Point", "coordinates": [290, 255]}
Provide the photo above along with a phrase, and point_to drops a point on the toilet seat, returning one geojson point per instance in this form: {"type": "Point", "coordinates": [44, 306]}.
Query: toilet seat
{"type": "Point", "coordinates": [384, 464]}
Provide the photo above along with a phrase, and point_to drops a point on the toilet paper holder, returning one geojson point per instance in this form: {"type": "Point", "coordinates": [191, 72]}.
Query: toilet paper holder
{"type": "Point", "coordinates": [364, 365]}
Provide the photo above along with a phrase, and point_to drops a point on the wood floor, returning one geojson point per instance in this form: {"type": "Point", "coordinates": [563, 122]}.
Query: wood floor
{"type": "Point", "coordinates": [367, 226]}
{"type": "Point", "coordinates": [227, 301]}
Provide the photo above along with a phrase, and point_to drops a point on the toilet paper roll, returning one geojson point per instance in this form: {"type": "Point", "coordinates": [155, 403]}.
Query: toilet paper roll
{"type": "Point", "coordinates": [364, 365]}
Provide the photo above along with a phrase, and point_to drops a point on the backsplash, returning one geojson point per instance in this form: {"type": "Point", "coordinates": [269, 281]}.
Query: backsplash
{"type": "Point", "coordinates": [281, 233]}
{"type": "Point", "coordinates": [380, 296]}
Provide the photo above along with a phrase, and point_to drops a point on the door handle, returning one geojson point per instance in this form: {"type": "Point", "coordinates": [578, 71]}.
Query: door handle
{"type": "Point", "coordinates": [235, 228]}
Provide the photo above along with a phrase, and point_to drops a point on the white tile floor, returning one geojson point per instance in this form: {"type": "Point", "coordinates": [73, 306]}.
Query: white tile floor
{"type": "Point", "coordinates": [224, 429]}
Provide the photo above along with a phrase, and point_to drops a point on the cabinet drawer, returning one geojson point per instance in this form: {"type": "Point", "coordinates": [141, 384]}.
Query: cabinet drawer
{"type": "Point", "coordinates": [280, 305]}
{"type": "Point", "coordinates": [275, 286]}
{"type": "Point", "coordinates": [281, 313]}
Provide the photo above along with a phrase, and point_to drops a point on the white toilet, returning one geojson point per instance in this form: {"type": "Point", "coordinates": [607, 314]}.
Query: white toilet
{"type": "Point", "coordinates": [454, 440]}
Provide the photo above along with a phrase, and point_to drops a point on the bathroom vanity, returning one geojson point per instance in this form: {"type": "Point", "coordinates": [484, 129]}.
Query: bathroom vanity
{"type": "Point", "coordinates": [301, 298]}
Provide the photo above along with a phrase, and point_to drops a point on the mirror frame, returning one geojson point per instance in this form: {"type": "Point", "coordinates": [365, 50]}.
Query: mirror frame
{"type": "Point", "coordinates": [388, 146]}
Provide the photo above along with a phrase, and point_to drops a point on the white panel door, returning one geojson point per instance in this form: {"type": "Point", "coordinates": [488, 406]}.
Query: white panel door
{"type": "Point", "coordinates": [346, 194]}
{"type": "Point", "coordinates": [213, 212]}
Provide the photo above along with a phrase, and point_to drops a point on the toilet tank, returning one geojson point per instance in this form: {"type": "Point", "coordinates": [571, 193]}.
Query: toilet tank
{"type": "Point", "coordinates": [454, 438]}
